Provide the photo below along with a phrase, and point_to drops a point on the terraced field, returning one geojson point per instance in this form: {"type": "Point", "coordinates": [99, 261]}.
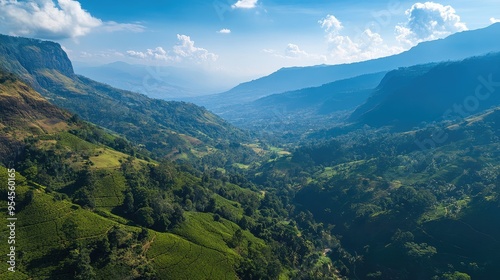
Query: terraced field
{"type": "Point", "coordinates": [40, 232]}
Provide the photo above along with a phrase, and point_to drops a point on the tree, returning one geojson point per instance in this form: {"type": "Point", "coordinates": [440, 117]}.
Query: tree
{"type": "Point", "coordinates": [456, 276]}
{"type": "Point", "coordinates": [116, 237]}
{"type": "Point", "coordinates": [144, 216]}
{"type": "Point", "coordinates": [244, 223]}
{"type": "Point", "coordinates": [420, 251]}
{"type": "Point", "coordinates": [413, 202]}
{"type": "Point", "coordinates": [236, 240]}
{"type": "Point", "coordinates": [70, 228]}
{"type": "Point", "coordinates": [216, 217]}
{"type": "Point", "coordinates": [102, 251]}
{"type": "Point", "coordinates": [84, 198]}
{"type": "Point", "coordinates": [258, 264]}
{"type": "Point", "coordinates": [402, 237]}
{"type": "Point", "coordinates": [83, 268]}
{"type": "Point", "coordinates": [177, 216]}
{"type": "Point", "coordinates": [143, 235]}
{"type": "Point", "coordinates": [128, 203]}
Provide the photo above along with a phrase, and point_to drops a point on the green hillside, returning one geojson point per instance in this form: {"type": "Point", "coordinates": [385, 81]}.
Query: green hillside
{"type": "Point", "coordinates": [176, 130]}
{"type": "Point", "coordinates": [84, 199]}
{"type": "Point", "coordinates": [114, 185]}
{"type": "Point", "coordinates": [53, 234]}
{"type": "Point", "coordinates": [407, 97]}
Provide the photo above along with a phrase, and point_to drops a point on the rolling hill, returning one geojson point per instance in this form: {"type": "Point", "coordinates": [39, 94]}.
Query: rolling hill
{"type": "Point", "coordinates": [86, 208]}
{"type": "Point", "coordinates": [176, 130]}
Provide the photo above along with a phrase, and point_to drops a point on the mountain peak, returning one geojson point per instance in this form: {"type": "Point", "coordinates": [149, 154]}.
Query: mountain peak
{"type": "Point", "coordinates": [25, 57]}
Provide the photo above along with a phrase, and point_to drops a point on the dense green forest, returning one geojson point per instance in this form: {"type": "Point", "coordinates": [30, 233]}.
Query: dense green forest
{"type": "Point", "coordinates": [397, 211]}
{"type": "Point", "coordinates": [113, 185]}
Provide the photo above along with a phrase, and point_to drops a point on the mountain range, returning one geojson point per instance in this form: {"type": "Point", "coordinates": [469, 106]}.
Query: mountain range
{"type": "Point", "coordinates": [426, 93]}
{"type": "Point", "coordinates": [166, 128]}
{"type": "Point", "coordinates": [455, 47]}
{"type": "Point", "coordinates": [304, 109]}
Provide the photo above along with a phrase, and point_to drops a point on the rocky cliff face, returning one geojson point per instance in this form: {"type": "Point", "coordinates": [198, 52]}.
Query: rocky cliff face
{"type": "Point", "coordinates": [29, 58]}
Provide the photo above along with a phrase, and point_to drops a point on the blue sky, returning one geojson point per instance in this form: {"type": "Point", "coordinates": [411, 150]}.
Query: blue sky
{"type": "Point", "coordinates": [241, 39]}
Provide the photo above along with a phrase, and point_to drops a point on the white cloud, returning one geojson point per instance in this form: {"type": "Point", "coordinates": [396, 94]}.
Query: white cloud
{"type": "Point", "coordinates": [245, 4]}
{"type": "Point", "coordinates": [112, 26]}
{"type": "Point", "coordinates": [343, 48]}
{"type": "Point", "coordinates": [45, 19]}
{"type": "Point", "coordinates": [157, 53]}
{"type": "Point", "coordinates": [224, 31]}
{"type": "Point", "coordinates": [100, 54]}
{"type": "Point", "coordinates": [293, 51]}
{"type": "Point", "coordinates": [429, 21]}
{"type": "Point", "coordinates": [52, 20]}
{"type": "Point", "coordinates": [331, 24]}
{"type": "Point", "coordinates": [136, 54]}
{"type": "Point", "coordinates": [494, 20]}
{"type": "Point", "coordinates": [184, 51]}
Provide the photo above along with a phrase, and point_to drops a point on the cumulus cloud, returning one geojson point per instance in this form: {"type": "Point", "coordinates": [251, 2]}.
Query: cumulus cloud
{"type": "Point", "coordinates": [429, 21]}
{"type": "Point", "coordinates": [45, 19]}
{"type": "Point", "coordinates": [137, 54]}
{"type": "Point", "coordinates": [224, 31]}
{"type": "Point", "coordinates": [331, 24]}
{"type": "Point", "coordinates": [245, 4]}
{"type": "Point", "coordinates": [52, 20]}
{"type": "Point", "coordinates": [158, 54]}
{"type": "Point", "coordinates": [494, 20]}
{"type": "Point", "coordinates": [293, 51]}
{"type": "Point", "coordinates": [185, 50]}
{"type": "Point", "coordinates": [366, 44]}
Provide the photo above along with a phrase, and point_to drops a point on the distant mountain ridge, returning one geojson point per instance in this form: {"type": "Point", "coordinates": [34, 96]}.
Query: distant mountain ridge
{"type": "Point", "coordinates": [455, 47]}
{"type": "Point", "coordinates": [306, 107]}
{"type": "Point", "coordinates": [425, 93]}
